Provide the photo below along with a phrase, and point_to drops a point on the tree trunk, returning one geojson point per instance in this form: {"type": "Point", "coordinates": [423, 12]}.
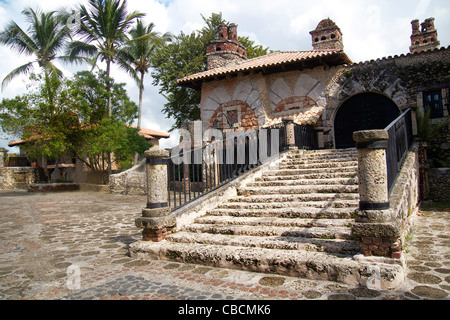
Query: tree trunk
{"type": "Point", "coordinates": [141, 90]}
{"type": "Point", "coordinates": [108, 90]}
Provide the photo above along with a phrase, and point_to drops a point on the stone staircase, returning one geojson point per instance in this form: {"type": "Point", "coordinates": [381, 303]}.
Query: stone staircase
{"type": "Point", "coordinates": [294, 220]}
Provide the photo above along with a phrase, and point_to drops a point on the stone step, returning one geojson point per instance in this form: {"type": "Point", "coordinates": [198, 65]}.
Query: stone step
{"type": "Point", "coordinates": [314, 159]}
{"type": "Point", "coordinates": [319, 165]}
{"type": "Point", "coordinates": [270, 198]}
{"type": "Point", "coordinates": [304, 212]}
{"type": "Point", "coordinates": [268, 230]}
{"type": "Point", "coordinates": [274, 221]}
{"type": "Point", "coordinates": [338, 246]}
{"type": "Point", "coordinates": [324, 153]}
{"type": "Point", "coordinates": [274, 205]}
{"type": "Point", "coordinates": [298, 182]}
{"type": "Point", "coordinates": [299, 263]}
{"type": "Point", "coordinates": [303, 189]}
{"type": "Point", "coordinates": [317, 175]}
{"type": "Point", "coordinates": [289, 172]}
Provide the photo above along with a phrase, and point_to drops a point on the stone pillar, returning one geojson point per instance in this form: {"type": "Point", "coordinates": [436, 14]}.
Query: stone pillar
{"type": "Point", "coordinates": [372, 170]}
{"type": "Point", "coordinates": [374, 225]}
{"type": "Point", "coordinates": [290, 133]}
{"type": "Point", "coordinates": [156, 217]}
{"type": "Point", "coordinates": [2, 157]}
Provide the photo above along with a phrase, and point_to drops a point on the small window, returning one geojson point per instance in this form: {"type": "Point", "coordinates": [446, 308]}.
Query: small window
{"type": "Point", "coordinates": [417, 43]}
{"type": "Point", "coordinates": [323, 38]}
{"type": "Point", "coordinates": [316, 40]}
{"type": "Point", "coordinates": [333, 36]}
{"type": "Point", "coordinates": [433, 101]}
{"type": "Point", "coordinates": [425, 41]}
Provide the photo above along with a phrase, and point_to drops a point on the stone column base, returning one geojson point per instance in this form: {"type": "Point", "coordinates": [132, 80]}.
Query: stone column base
{"type": "Point", "coordinates": [155, 228]}
{"type": "Point", "coordinates": [383, 247]}
{"type": "Point", "coordinates": [155, 235]}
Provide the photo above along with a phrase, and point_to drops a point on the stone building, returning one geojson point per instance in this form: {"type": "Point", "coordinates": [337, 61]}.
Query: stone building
{"type": "Point", "coordinates": [321, 88]}
{"type": "Point", "coordinates": [69, 168]}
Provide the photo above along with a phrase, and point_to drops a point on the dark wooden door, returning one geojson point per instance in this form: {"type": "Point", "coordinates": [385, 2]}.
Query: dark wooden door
{"type": "Point", "coordinates": [364, 111]}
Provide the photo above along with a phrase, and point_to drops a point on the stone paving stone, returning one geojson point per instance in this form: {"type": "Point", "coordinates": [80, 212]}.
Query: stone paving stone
{"type": "Point", "coordinates": [42, 235]}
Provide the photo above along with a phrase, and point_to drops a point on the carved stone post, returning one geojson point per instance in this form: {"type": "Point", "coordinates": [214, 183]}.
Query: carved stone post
{"type": "Point", "coordinates": [374, 227]}
{"type": "Point", "coordinates": [156, 217]}
{"type": "Point", "coordinates": [290, 133]}
{"type": "Point", "coordinates": [372, 169]}
{"type": "Point", "coordinates": [2, 156]}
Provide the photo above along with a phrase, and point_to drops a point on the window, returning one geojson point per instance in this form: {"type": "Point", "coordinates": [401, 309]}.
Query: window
{"type": "Point", "coordinates": [433, 101]}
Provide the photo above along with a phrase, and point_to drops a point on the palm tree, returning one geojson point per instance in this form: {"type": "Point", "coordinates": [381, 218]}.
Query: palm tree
{"type": "Point", "coordinates": [103, 31]}
{"type": "Point", "coordinates": [139, 51]}
{"type": "Point", "coordinates": [45, 36]}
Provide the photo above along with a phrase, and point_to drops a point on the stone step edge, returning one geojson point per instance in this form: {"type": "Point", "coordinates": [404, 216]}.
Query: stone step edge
{"type": "Point", "coordinates": [275, 221]}
{"type": "Point", "coordinates": [305, 182]}
{"type": "Point", "coordinates": [289, 172]}
{"type": "Point", "coordinates": [339, 204]}
{"type": "Point", "coordinates": [302, 189]}
{"type": "Point", "coordinates": [303, 197]}
{"type": "Point", "coordinates": [318, 165]}
{"type": "Point", "coordinates": [309, 176]}
{"type": "Point", "coordinates": [302, 232]}
{"type": "Point", "coordinates": [350, 270]}
{"type": "Point", "coordinates": [340, 246]}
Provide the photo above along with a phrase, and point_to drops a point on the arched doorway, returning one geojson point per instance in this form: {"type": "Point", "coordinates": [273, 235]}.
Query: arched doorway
{"type": "Point", "coordinates": [364, 111]}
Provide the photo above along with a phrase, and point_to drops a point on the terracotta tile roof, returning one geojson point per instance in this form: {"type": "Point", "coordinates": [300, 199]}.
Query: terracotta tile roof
{"type": "Point", "coordinates": [270, 60]}
{"type": "Point", "coordinates": [150, 133]}
{"type": "Point", "coordinates": [307, 117]}
{"type": "Point", "coordinates": [146, 133]}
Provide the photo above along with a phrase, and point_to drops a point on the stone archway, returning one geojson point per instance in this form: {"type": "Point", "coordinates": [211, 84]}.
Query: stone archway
{"type": "Point", "coordinates": [363, 111]}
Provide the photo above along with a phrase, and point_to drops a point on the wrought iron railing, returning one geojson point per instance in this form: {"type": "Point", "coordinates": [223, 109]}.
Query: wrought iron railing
{"type": "Point", "coordinates": [305, 137]}
{"type": "Point", "coordinates": [18, 162]}
{"type": "Point", "coordinates": [399, 144]}
{"type": "Point", "coordinates": [194, 173]}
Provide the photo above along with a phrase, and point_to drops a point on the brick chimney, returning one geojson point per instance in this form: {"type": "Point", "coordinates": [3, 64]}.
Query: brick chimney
{"type": "Point", "coordinates": [226, 50]}
{"type": "Point", "coordinates": [425, 38]}
{"type": "Point", "coordinates": [327, 35]}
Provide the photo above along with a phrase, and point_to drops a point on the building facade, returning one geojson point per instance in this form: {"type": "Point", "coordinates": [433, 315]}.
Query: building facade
{"type": "Point", "coordinates": [321, 88]}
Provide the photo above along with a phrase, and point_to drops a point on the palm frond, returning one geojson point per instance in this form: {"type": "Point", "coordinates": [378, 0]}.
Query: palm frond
{"type": "Point", "coordinates": [24, 69]}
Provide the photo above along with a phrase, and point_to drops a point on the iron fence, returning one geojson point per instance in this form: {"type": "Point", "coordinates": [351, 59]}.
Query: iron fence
{"type": "Point", "coordinates": [399, 144]}
{"type": "Point", "coordinates": [194, 173]}
{"type": "Point", "coordinates": [305, 137]}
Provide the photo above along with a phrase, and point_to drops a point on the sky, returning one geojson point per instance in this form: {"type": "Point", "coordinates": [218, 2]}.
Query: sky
{"type": "Point", "coordinates": [371, 30]}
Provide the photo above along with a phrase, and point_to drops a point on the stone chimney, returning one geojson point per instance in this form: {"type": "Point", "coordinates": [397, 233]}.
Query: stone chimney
{"type": "Point", "coordinates": [327, 35]}
{"type": "Point", "coordinates": [226, 50]}
{"type": "Point", "coordinates": [425, 38]}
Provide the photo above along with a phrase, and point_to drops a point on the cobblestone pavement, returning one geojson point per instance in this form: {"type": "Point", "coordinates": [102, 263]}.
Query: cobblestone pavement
{"type": "Point", "coordinates": [74, 246]}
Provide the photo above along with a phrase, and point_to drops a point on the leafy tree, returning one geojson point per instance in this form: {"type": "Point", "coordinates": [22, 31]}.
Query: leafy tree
{"type": "Point", "coordinates": [78, 125]}
{"type": "Point", "coordinates": [45, 36]}
{"type": "Point", "coordinates": [140, 49]}
{"type": "Point", "coordinates": [144, 42]}
{"type": "Point", "coordinates": [103, 31]}
{"type": "Point", "coordinates": [430, 132]}
{"type": "Point", "coordinates": [186, 55]}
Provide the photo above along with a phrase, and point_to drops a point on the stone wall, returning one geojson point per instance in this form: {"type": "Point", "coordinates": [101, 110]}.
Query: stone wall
{"type": "Point", "coordinates": [132, 181]}
{"type": "Point", "coordinates": [19, 177]}
{"type": "Point", "coordinates": [439, 184]}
